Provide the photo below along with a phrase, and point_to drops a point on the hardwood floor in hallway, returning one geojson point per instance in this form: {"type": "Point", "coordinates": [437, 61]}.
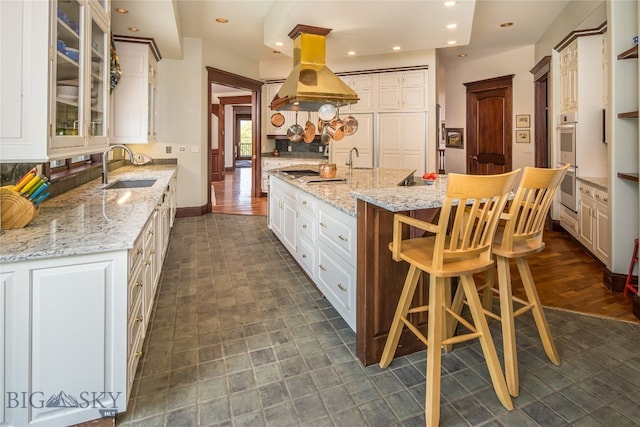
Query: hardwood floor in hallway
{"type": "Point", "coordinates": [233, 195]}
{"type": "Point", "coordinates": [566, 275]}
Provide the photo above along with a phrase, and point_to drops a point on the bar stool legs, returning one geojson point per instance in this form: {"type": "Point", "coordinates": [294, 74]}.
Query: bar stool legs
{"type": "Point", "coordinates": [438, 336]}
{"type": "Point", "coordinates": [507, 317]}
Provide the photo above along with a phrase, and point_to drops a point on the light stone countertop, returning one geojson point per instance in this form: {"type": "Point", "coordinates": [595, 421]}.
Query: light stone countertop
{"type": "Point", "coordinates": [89, 219]}
{"type": "Point", "coordinates": [378, 186]}
{"type": "Point", "coordinates": [599, 182]}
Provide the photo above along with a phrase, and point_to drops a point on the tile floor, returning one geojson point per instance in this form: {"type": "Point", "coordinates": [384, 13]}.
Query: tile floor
{"type": "Point", "coordinates": [240, 338]}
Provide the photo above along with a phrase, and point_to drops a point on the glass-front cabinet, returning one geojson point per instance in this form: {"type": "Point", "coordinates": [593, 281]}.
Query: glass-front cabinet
{"type": "Point", "coordinates": [53, 79]}
{"type": "Point", "coordinates": [79, 77]}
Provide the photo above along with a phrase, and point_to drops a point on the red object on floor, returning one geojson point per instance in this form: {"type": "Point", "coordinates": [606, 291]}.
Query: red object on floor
{"type": "Point", "coordinates": [628, 286]}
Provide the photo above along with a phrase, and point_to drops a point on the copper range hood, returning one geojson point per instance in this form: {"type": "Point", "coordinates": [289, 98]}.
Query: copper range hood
{"type": "Point", "coordinates": [311, 83]}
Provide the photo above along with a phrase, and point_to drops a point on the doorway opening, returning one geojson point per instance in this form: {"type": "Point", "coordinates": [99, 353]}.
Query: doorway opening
{"type": "Point", "coordinates": [231, 193]}
{"type": "Point", "coordinates": [242, 131]}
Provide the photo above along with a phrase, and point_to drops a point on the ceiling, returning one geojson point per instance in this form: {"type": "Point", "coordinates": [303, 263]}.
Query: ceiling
{"type": "Point", "coordinates": [365, 27]}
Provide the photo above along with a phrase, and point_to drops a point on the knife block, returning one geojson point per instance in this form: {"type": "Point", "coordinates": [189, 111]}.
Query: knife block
{"type": "Point", "coordinates": [16, 211]}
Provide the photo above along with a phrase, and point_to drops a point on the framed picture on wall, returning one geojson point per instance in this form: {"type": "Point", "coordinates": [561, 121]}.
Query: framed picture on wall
{"type": "Point", "coordinates": [454, 138]}
{"type": "Point", "coordinates": [523, 135]}
{"type": "Point", "coordinates": [523, 120]}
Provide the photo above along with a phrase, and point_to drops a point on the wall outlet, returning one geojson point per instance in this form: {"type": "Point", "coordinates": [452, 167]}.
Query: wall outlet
{"type": "Point", "coordinates": [289, 148]}
{"type": "Point", "coordinates": [195, 149]}
{"type": "Point", "coordinates": [320, 149]}
{"type": "Point", "coordinates": [167, 149]}
{"type": "Point", "coordinates": [182, 149]}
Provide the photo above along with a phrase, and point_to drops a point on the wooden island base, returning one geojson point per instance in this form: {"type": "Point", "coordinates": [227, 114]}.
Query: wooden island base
{"type": "Point", "coordinates": [379, 283]}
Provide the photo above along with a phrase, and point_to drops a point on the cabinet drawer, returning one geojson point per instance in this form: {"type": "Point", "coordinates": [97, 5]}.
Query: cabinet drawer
{"type": "Point", "coordinates": [569, 223]}
{"type": "Point", "coordinates": [135, 324]}
{"type": "Point", "coordinates": [135, 290]}
{"type": "Point", "coordinates": [336, 279]}
{"type": "Point", "coordinates": [135, 256]}
{"type": "Point", "coordinates": [601, 196]}
{"type": "Point", "coordinates": [307, 257]}
{"type": "Point", "coordinates": [307, 225]}
{"type": "Point", "coordinates": [338, 231]}
{"type": "Point", "coordinates": [307, 202]}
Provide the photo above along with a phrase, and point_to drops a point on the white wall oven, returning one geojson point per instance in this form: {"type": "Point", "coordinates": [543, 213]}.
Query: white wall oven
{"type": "Point", "coordinates": [567, 148]}
{"type": "Point", "coordinates": [567, 131]}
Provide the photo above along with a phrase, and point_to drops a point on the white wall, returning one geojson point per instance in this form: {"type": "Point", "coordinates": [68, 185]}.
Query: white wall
{"type": "Point", "coordinates": [182, 89]}
{"type": "Point", "coordinates": [517, 62]}
{"type": "Point", "coordinates": [182, 121]}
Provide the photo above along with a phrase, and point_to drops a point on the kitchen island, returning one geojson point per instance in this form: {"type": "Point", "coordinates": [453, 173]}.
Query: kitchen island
{"type": "Point", "coordinates": [351, 220]}
{"type": "Point", "coordinates": [77, 286]}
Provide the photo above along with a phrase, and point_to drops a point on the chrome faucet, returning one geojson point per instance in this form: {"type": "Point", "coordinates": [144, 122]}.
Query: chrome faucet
{"type": "Point", "coordinates": [350, 161]}
{"type": "Point", "coordinates": [105, 158]}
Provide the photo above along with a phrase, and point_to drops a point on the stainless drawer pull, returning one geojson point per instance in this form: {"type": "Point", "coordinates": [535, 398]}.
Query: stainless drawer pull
{"type": "Point", "coordinates": [304, 225]}
{"type": "Point", "coordinates": [304, 202]}
{"type": "Point", "coordinates": [341, 237]}
{"type": "Point", "coordinates": [304, 256]}
{"type": "Point", "coordinates": [322, 267]}
{"type": "Point", "coordinates": [323, 225]}
{"type": "Point", "coordinates": [342, 288]}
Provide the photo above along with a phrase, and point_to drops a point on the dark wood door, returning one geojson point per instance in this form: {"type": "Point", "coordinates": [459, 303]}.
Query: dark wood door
{"type": "Point", "coordinates": [216, 155]}
{"type": "Point", "coordinates": [489, 126]}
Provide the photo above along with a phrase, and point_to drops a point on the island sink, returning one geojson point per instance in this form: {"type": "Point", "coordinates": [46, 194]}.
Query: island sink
{"type": "Point", "coordinates": [130, 183]}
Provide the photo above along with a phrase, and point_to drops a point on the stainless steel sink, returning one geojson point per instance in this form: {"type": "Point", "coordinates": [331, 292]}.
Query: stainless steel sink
{"type": "Point", "coordinates": [130, 183]}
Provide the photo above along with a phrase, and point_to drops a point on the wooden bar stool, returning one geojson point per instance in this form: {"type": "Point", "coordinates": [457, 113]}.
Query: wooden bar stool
{"type": "Point", "coordinates": [519, 237]}
{"type": "Point", "coordinates": [460, 247]}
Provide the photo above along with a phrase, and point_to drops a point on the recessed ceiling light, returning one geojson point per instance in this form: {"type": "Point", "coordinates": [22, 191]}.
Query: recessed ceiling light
{"type": "Point", "coordinates": [451, 42]}
{"type": "Point", "coordinates": [279, 43]}
{"type": "Point", "coordinates": [396, 48]}
{"type": "Point", "coordinates": [462, 55]}
{"type": "Point", "coordinates": [506, 24]}
{"type": "Point", "coordinates": [351, 53]}
{"type": "Point", "coordinates": [452, 26]}
{"type": "Point", "coordinates": [122, 10]}
{"type": "Point", "coordinates": [134, 29]}
{"type": "Point", "coordinates": [449, 3]}
{"type": "Point", "coordinates": [222, 20]}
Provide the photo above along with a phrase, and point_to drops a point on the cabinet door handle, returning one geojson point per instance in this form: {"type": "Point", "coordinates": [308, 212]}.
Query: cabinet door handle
{"type": "Point", "coordinates": [342, 288]}
{"type": "Point", "coordinates": [323, 225]}
{"type": "Point", "coordinates": [139, 283]}
{"type": "Point", "coordinates": [139, 319]}
{"type": "Point", "coordinates": [322, 267]}
{"type": "Point", "coordinates": [304, 225]}
{"type": "Point", "coordinates": [304, 256]}
{"type": "Point", "coordinates": [341, 237]}
{"type": "Point", "coordinates": [137, 354]}
{"type": "Point", "coordinates": [304, 202]}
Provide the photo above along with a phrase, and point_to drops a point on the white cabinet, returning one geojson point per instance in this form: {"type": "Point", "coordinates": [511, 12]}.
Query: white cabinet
{"type": "Point", "coordinates": [362, 140]}
{"type": "Point", "coordinates": [364, 86]}
{"type": "Point", "coordinates": [402, 140]}
{"type": "Point", "coordinates": [307, 234]}
{"type": "Point", "coordinates": [593, 213]}
{"type": "Point", "coordinates": [63, 324]}
{"type": "Point", "coordinates": [135, 98]}
{"type": "Point", "coordinates": [569, 78]}
{"type": "Point", "coordinates": [402, 90]}
{"type": "Point", "coordinates": [337, 260]}
{"type": "Point", "coordinates": [324, 243]}
{"type": "Point", "coordinates": [53, 79]}
{"type": "Point", "coordinates": [283, 213]}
